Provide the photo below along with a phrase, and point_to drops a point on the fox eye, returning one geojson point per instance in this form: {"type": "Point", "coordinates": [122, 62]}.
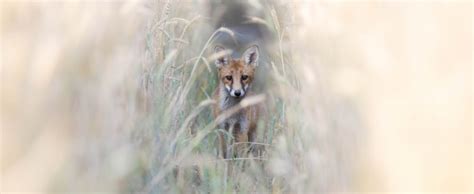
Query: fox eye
{"type": "Point", "coordinates": [228, 77]}
{"type": "Point", "coordinates": [244, 77]}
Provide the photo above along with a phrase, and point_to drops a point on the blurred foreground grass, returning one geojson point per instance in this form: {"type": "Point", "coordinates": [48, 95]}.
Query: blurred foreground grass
{"type": "Point", "coordinates": [114, 96]}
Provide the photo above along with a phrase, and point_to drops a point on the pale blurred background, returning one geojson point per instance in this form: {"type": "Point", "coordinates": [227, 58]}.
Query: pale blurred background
{"type": "Point", "coordinates": [396, 75]}
{"type": "Point", "coordinates": [408, 67]}
{"type": "Point", "coordinates": [416, 92]}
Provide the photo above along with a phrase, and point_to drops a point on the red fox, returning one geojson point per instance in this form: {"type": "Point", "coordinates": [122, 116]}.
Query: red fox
{"type": "Point", "coordinates": [235, 83]}
{"type": "Point", "coordinates": [237, 71]}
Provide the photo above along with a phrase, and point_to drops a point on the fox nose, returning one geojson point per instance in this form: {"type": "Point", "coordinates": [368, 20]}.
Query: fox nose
{"type": "Point", "coordinates": [237, 93]}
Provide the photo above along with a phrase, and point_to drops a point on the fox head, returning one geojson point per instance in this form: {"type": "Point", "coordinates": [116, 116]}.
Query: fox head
{"type": "Point", "coordinates": [236, 75]}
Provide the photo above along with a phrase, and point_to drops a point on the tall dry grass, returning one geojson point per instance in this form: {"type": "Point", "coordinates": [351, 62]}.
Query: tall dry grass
{"type": "Point", "coordinates": [115, 97]}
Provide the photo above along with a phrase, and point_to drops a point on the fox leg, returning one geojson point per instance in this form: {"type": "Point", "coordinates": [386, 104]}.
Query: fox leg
{"type": "Point", "coordinates": [256, 149]}
{"type": "Point", "coordinates": [251, 135]}
{"type": "Point", "coordinates": [223, 145]}
{"type": "Point", "coordinates": [240, 139]}
{"type": "Point", "coordinates": [222, 140]}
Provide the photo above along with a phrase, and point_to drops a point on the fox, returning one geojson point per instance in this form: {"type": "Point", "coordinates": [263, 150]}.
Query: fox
{"type": "Point", "coordinates": [242, 71]}
{"type": "Point", "coordinates": [235, 84]}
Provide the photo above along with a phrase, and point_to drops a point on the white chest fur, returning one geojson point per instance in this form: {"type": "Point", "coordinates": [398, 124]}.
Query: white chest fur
{"type": "Point", "coordinates": [236, 120]}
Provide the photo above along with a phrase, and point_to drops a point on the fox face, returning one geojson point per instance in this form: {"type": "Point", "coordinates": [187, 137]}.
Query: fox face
{"type": "Point", "coordinates": [236, 75]}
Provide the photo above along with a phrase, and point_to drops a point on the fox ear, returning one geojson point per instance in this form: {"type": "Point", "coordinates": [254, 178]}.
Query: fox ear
{"type": "Point", "coordinates": [250, 56]}
{"type": "Point", "coordinates": [222, 57]}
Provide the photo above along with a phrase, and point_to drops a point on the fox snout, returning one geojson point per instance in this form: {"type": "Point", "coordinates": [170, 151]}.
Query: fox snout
{"type": "Point", "coordinates": [235, 89]}
{"type": "Point", "coordinates": [237, 93]}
